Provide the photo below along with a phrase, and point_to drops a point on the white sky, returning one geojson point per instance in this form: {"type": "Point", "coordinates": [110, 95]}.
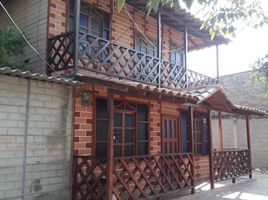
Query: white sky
{"type": "Point", "coordinates": [237, 56]}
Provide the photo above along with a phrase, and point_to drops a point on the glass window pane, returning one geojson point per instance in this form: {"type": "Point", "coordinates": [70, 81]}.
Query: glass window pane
{"type": "Point", "coordinates": [129, 120]}
{"type": "Point", "coordinates": [101, 108]}
{"type": "Point", "coordinates": [117, 150]}
{"type": "Point", "coordinates": [129, 136]}
{"type": "Point", "coordinates": [96, 27]}
{"type": "Point", "coordinates": [142, 148]}
{"type": "Point", "coordinates": [129, 150]}
{"type": "Point", "coordinates": [83, 20]}
{"type": "Point", "coordinates": [101, 130]}
{"type": "Point", "coordinates": [101, 149]}
{"type": "Point", "coordinates": [118, 119]}
{"type": "Point", "coordinates": [117, 136]}
{"type": "Point", "coordinates": [142, 131]}
{"type": "Point", "coordinates": [142, 113]}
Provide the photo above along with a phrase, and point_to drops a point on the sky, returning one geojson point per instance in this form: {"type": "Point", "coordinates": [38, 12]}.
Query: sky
{"type": "Point", "coordinates": [247, 47]}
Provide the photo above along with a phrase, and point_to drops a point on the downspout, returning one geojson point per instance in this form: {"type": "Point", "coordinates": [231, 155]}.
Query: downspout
{"type": "Point", "coordinates": [159, 45]}
{"type": "Point", "coordinates": [76, 35]}
{"type": "Point", "coordinates": [26, 126]}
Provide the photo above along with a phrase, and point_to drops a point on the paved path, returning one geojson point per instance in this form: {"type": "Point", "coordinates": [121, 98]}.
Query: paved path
{"type": "Point", "coordinates": [244, 189]}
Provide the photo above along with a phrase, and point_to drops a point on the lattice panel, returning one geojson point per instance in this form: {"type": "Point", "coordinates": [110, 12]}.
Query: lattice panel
{"type": "Point", "coordinates": [150, 176]}
{"type": "Point", "coordinates": [89, 178]}
{"type": "Point", "coordinates": [231, 163]}
{"type": "Point", "coordinates": [100, 55]}
{"type": "Point", "coordinates": [60, 52]}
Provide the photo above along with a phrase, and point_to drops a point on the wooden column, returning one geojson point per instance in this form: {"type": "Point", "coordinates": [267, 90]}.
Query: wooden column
{"type": "Point", "coordinates": [76, 34]}
{"type": "Point", "coordinates": [220, 131]}
{"type": "Point", "coordinates": [110, 152]}
{"type": "Point", "coordinates": [186, 52]}
{"type": "Point", "coordinates": [159, 44]}
{"type": "Point", "coordinates": [249, 146]}
{"type": "Point", "coordinates": [191, 133]}
{"type": "Point", "coordinates": [210, 143]}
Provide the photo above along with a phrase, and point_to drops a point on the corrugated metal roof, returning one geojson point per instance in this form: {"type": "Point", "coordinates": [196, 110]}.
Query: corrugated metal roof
{"type": "Point", "coordinates": [36, 76]}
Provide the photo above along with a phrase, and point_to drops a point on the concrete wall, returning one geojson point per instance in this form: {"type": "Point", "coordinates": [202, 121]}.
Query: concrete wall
{"type": "Point", "coordinates": [47, 141]}
{"type": "Point", "coordinates": [31, 17]}
{"type": "Point", "coordinates": [234, 136]}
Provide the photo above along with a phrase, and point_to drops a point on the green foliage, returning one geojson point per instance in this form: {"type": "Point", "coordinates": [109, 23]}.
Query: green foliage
{"type": "Point", "coordinates": [11, 44]}
{"type": "Point", "coordinates": [260, 68]}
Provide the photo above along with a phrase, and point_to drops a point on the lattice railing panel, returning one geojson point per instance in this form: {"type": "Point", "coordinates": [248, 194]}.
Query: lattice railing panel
{"type": "Point", "coordinates": [90, 177]}
{"type": "Point", "coordinates": [151, 176]}
{"type": "Point", "coordinates": [230, 164]}
{"type": "Point", "coordinates": [103, 56]}
{"type": "Point", "coordinates": [60, 52]}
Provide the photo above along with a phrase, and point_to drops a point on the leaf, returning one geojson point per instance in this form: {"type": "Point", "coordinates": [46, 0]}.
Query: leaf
{"type": "Point", "coordinates": [188, 3]}
{"type": "Point", "coordinates": [120, 4]}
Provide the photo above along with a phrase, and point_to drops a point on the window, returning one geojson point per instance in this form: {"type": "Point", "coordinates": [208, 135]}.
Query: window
{"type": "Point", "coordinates": [94, 22]}
{"type": "Point", "coordinates": [130, 129]}
{"type": "Point", "coordinates": [200, 132]}
{"type": "Point", "coordinates": [144, 46]}
{"type": "Point", "coordinates": [177, 55]}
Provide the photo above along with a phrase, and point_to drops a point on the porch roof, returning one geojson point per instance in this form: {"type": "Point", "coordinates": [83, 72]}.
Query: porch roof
{"type": "Point", "coordinates": [212, 97]}
{"type": "Point", "coordinates": [36, 76]}
{"type": "Point", "coordinates": [180, 19]}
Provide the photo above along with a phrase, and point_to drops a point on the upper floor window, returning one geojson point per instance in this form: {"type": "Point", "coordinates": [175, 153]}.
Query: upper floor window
{"type": "Point", "coordinates": [144, 46]}
{"type": "Point", "coordinates": [130, 129]}
{"type": "Point", "coordinates": [176, 54]}
{"type": "Point", "coordinates": [94, 22]}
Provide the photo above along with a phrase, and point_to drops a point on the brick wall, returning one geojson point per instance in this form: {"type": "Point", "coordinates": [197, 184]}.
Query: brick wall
{"type": "Point", "coordinates": [120, 22]}
{"type": "Point", "coordinates": [48, 139]}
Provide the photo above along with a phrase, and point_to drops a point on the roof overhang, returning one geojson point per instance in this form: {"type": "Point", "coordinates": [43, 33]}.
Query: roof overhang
{"type": "Point", "coordinates": [179, 19]}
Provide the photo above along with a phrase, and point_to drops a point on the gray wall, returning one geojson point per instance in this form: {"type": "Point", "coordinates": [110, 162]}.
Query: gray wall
{"type": "Point", "coordinates": [48, 140]}
{"type": "Point", "coordinates": [31, 17]}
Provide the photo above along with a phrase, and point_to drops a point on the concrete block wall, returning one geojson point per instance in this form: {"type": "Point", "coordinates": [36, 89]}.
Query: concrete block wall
{"type": "Point", "coordinates": [47, 144]}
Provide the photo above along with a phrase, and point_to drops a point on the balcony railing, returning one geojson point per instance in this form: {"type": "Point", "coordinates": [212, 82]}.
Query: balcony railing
{"type": "Point", "coordinates": [231, 163]}
{"type": "Point", "coordinates": [135, 177]}
{"type": "Point", "coordinates": [102, 56]}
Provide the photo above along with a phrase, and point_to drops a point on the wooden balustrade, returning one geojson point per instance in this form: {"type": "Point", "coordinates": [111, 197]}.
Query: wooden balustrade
{"type": "Point", "coordinates": [103, 56]}
{"type": "Point", "coordinates": [136, 177]}
{"type": "Point", "coordinates": [230, 163]}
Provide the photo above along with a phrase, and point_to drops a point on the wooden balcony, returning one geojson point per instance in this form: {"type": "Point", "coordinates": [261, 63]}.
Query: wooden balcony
{"type": "Point", "coordinates": [113, 59]}
{"type": "Point", "coordinates": [136, 177]}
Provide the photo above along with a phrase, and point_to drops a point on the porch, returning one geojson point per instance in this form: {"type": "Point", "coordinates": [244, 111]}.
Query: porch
{"type": "Point", "coordinates": [161, 170]}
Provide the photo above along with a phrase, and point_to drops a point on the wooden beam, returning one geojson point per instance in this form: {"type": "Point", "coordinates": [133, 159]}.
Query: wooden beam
{"type": "Point", "coordinates": [185, 43]}
{"type": "Point", "coordinates": [220, 131]}
{"type": "Point", "coordinates": [76, 34]}
{"type": "Point", "coordinates": [210, 149]}
{"type": "Point", "coordinates": [110, 152]}
{"type": "Point", "coordinates": [159, 44]}
{"type": "Point", "coordinates": [191, 132]}
{"type": "Point", "coordinates": [249, 146]}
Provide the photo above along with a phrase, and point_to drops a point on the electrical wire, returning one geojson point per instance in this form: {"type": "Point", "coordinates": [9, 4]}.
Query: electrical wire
{"type": "Point", "coordinates": [26, 40]}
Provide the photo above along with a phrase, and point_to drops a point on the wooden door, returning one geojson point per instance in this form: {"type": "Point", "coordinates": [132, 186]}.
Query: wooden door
{"type": "Point", "coordinates": [170, 139]}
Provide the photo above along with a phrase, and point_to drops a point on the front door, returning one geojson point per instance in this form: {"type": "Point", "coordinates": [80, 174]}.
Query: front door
{"type": "Point", "coordinates": [170, 142]}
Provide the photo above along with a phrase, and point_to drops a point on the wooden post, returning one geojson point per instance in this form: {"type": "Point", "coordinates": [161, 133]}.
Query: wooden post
{"type": "Point", "coordinates": [210, 149]}
{"type": "Point", "coordinates": [249, 146]}
{"type": "Point", "coordinates": [110, 152]}
{"type": "Point", "coordinates": [159, 44]}
{"type": "Point", "coordinates": [191, 132]}
{"type": "Point", "coordinates": [220, 131]}
{"type": "Point", "coordinates": [76, 34]}
{"type": "Point", "coordinates": [186, 52]}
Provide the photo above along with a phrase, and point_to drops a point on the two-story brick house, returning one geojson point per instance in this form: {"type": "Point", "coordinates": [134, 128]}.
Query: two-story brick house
{"type": "Point", "coordinates": [142, 125]}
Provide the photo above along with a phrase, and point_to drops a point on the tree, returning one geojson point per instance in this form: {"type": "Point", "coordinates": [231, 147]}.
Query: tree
{"type": "Point", "coordinates": [11, 44]}
{"type": "Point", "coordinates": [220, 16]}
